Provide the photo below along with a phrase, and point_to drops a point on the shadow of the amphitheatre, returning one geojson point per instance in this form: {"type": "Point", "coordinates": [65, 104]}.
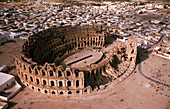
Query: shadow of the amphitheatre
{"type": "Point", "coordinates": [143, 54]}
{"type": "Point", "coordinates": [140, 71]}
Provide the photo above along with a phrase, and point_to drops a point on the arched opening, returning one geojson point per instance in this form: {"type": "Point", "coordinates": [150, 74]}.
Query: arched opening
{"type": "Point", "coordinates": [39, 90]}
{"type": "Point", "coordinates": [53, 92]}
{"type": "Point", "coordinates": [132, 51]}
{"type": "Point", "coordinates": [37, 80]}
{"type": "Point", "coordinates": [69, 83]}
{"type": "Point", "coordinates": [59, 74]}
{"type": "Point", "coordinates": [60, 83]}
{"type": "Point", "coordinates": [69, 93]}
{"type": "Point", "coordinates": [24, 67]}
{"type": "Point", "coordinates": [31, 79]}
{"type": "Point", "coordinates": [68, 73]}
{"type": "Point", "coordinates": [32, 88]}
{"type": "Point", "coordinates": [52, 83]}
{"type": "Point", "coordinates": [36, 71]}
{"type": "Point", "coordinates": [77, 83]}
{"type": "Point", "coordinates": [93, 42]}
{"type": "Point", "coordinates": [131, 59]}
{"type": "Point", "coordinates": [43, 72]}
{"type": "Point", "coordinates": [77, 92]}
{"type": "Point", "coordinates": [85, 91]}
{"type": "Point", "coordinates": [45, 91]}
{"type": "Point", "coordinates": [77, 74]}
{"type": "Point", "coordinates": [26, 77]}
{"type": "Point", "coordinates": [51, 73]}
{"type": "Point", "coordinates": [44, 82]}
{"type": "Point", "coordinates": [61, 93]}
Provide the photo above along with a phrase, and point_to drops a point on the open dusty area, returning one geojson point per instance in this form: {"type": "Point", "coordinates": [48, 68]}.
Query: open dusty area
{"type": "Point", "coordinates": [83, 59]}
{"type": "Point", "coordinates": [9, 50]}
{"type": "Point", "coordinates": [136, 92]}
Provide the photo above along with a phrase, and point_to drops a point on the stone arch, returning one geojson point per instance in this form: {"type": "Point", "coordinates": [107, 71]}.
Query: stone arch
{"type": "Point", "coordinates": [132, 51]}
{"type": "Point", "coordinates": [85, 91]}
{"type": "Point", "coordinates": [45, 91]}
{"type": "Point", "coordinates": [61, 93]}
{"type": "Point", "coordinates": [44, 82]}
{"type": "Point", "coordinates": [60, 83]}
{"type": "Point", "coordinates": [131, 58]}
{"type": "Point", "coordinates": [24, 67]}
{"type": "Point", "coordinates": [77, 83]}
{"type": "Point", "coordinates": [37, 81]}
{"type": "Point", "coordinates": [30, 71]}
{"type": "Point", "coordinates": [59, 73]}
{"type": "Point", "coordinates": [31, 79]}
{"type": "Point", "coordinates": [68, 73]}
{"type": "Point", "coordinates": [77, 92]}
{"type": "Point", "coordinates": [43, 72]}
{"type": "Point", "coordinates": [36, 71]}
{"type": "Point", "coordinates": [39, 90]}
{"type": "Point", "coordinates": [69, 93]}
{"type": "Point", "coordinates": [52, 83]}
{"type": "Point", "coordinates": [68, 83]}
{"type": "Point", "coordinates": [53, 92]}
{"type": "Point", "coordinates": [26, 77]}
{"type": "Point", "coordinates": [51, 73]}
{"type": "Point", "coordinates": [76, 73]}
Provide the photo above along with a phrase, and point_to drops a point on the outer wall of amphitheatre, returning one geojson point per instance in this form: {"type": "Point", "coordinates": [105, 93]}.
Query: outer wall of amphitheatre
{"type": "Point", "coordinates": [40, 68]}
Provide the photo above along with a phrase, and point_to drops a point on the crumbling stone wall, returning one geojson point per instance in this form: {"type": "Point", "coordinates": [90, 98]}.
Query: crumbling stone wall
{"type": "Point", "coordinates": [39, 69]}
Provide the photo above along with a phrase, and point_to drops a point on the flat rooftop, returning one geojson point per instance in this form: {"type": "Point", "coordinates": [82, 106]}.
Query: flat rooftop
{"type": "Point", "coordinates": [4, 77]}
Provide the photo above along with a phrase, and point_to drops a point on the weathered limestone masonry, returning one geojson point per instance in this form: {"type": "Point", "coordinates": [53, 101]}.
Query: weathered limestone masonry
{"type": "Point", "coordinates": [40, 68]}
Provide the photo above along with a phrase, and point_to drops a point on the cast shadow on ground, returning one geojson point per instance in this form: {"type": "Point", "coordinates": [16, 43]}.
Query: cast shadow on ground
{"type": "Point", "coordinates": [11, 104]}
{"type": "Point", "coordinates": [142, 56]}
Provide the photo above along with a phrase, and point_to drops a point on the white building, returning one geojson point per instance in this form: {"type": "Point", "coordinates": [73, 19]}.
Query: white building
{"type": "Point", "coordinates": [8, 86]}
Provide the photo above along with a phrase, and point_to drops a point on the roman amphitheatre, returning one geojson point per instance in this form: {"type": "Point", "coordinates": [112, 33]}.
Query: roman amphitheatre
{"type": "Point", "coordinates": [74, 61]}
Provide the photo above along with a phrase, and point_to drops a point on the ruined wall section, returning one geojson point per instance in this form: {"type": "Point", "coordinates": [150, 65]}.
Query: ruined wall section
{"type": "Point", "coordinates": [41, 47]}
{"type": "Point", "coordinates": [39, 69]}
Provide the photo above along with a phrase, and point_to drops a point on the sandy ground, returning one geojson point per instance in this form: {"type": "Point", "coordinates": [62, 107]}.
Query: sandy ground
{"type": "Point", "coordinates": [136, 92]}
{"type": "Point", "coordinates": [8, 51]}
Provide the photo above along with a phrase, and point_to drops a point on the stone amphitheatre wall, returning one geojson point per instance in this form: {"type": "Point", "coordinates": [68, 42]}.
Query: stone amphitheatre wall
{"type": "Point", "coordinates": [39, 69]}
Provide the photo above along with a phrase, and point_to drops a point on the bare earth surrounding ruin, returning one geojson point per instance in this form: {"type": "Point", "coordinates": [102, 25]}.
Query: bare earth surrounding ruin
{"type": "Point", "coordinates": [88, 57]}
{"type": "Point", "coordinates": [72, 61]}
{"type": "Point", "coordinates": [135, 92]}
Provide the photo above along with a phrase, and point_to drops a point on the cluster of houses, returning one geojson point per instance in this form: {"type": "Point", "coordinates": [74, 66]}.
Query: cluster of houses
{"type": "Point", "coordinates": [123, 19]}
{"type": "Point", "coordinates": [8, 87]}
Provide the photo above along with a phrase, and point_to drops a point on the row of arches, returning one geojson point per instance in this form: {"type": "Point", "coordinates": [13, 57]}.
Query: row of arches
{"type": "Point", "coordinates": [42, 72]}
{"type": "Point", "coordinates": [81, 42]}
{"type": "Point", "coordinates": [51, 83]}
{"type": "Point", "coordinates": [58, 92]}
